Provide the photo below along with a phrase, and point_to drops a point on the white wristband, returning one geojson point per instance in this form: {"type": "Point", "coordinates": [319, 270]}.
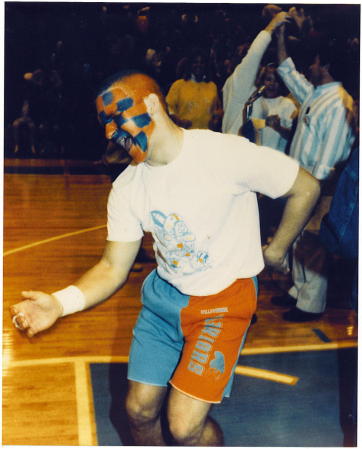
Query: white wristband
{"type": "Point", "coordinates": [71, 298]}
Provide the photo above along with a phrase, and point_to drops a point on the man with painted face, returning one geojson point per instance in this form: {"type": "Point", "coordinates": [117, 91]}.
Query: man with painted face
{"type": "Point", "coordinates": [194, 190]}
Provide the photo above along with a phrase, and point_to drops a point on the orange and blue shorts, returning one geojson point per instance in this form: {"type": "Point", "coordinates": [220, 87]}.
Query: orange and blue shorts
{"type": "Point", "coordinates": [191, 342]}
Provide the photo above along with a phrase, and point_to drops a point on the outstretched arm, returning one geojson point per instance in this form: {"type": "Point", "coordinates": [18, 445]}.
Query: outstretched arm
{"type": "Point", "coordinates": [39, 311]}
{"type": "Point", "coordinates": [301, 199]}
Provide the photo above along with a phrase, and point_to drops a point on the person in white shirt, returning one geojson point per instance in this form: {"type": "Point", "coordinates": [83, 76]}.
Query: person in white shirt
{"type": "Point", "coordinates": [195, 191]}
{"type": "Point", "coordinates": [271, 113]}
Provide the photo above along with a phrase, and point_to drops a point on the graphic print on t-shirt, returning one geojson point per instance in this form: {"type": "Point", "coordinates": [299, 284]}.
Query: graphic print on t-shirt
{"type": "Point", "coordinates": [177, 243]}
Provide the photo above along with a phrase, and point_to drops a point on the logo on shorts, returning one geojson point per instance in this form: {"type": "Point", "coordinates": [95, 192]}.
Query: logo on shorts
{"type": "Point", "coordinates": [218, 310]}
{"type": "Point", "coordinates": [217, 364]}
{"type": "Point", "coordinates": [204, 345]}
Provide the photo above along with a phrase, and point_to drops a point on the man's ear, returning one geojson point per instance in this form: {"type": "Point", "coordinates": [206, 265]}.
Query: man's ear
{"type": "Point", "coordinates": [152, 103]}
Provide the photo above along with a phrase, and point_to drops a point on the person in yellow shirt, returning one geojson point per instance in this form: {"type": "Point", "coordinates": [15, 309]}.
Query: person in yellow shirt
{"type": "Point", "coordinates": [193, 100]}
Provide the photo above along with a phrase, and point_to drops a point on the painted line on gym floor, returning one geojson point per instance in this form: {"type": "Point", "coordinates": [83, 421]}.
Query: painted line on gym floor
{"type": "Point", "coordinates": [51, 239]}
{"type": "Point", "coordinates": [265, 374]}
{"type": "Point", "coordinates": [124, 359]}
{"type": "Point", "coordinates": [84, 415]}
{"type": "Point", "coordinates": [80, 361]}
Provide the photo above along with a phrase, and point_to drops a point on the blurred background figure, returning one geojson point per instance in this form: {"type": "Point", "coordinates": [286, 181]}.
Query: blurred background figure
{"type": "Point", "coordinates": [193, 100]}
{"type": "Point", "coordinates": [273, 113]}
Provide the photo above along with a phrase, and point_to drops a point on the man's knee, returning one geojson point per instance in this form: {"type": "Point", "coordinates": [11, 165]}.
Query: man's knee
{"type": "Point", "coordinates": [143, 406]}
{"type": "Point", "coordinates": [140, 413]}
{"type": "Point", "coordinates": [184, 431]}
{"type": "Point", "coordinates": [184, 427]}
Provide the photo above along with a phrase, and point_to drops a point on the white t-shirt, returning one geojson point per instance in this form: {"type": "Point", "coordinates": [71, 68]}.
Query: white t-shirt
{"type": "Point", "coordinates": [262, 108]}
{"type": "Point", "coordinates": [201, 209]}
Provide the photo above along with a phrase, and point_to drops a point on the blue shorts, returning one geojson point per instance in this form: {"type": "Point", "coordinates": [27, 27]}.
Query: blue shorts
{"type": "Point", "coordinates": [191, 342]}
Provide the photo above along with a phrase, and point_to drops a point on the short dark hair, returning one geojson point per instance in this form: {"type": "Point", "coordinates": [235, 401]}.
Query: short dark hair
{"type": "Point", "coordinates": [333, 54]}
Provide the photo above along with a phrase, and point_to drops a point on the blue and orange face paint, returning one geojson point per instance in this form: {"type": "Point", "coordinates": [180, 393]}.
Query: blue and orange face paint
{"type": "Point", "coordinates": [123, 113]}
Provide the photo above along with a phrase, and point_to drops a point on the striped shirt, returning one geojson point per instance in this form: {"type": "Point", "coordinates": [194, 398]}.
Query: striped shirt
{"type": "Point", "coordinates": [324, 135]}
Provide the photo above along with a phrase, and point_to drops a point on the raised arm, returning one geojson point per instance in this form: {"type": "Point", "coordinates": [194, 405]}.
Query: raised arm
{"type": "Point", "coordinates": [237, 87]}
{"type": "Point", "coordinates": [297, 83]}
{"type": "Point", "coordinates": [301, 199]}
{"type": "Point", "coordinates": [282, 50]}
{"type": "Point", "coordinates": [39, 311]}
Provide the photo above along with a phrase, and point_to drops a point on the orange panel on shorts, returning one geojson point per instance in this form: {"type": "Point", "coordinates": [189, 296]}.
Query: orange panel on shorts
{"type": "Point", "coordinates": [213, 327]}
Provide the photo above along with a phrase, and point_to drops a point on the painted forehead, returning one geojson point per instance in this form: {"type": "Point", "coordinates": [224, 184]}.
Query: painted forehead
{"type": "Point", "coordinates": [124, 95]}
{"type": "Point", "coordinates": [121, 109]}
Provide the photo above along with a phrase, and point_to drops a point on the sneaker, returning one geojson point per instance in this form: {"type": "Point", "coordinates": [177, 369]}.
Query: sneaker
{"type": "Point", "coordinates": [284, 300]}
{"type": "Point", "coordinates": [296, 315]}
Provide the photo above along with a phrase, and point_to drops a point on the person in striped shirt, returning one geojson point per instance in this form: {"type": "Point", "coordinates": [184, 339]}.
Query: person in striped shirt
{"type": "Point", "coordinates": [322, 142]}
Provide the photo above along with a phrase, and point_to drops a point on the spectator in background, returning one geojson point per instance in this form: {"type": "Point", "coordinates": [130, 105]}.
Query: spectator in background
{"type": "Point", "coordinates": [240, 86]}
{"type": "Point", "coordinates": [193, 100]}
{"type": "Point", "coordinates": [34, 113]}
{"type": "Point", "coordinates": [24, 122]}
{"type": "Point", "coordinates": [323, 140]}
{"type": "Point", "coordinates": [272, 114]}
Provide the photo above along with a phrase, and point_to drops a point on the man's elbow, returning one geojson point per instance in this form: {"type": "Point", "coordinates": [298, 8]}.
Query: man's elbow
{"type": "Point", "coordinates": [315, 187]}
{"type": "Point", "coordinates": [114, 274]}
{"type": "Point", "coordinates": [305, 186]}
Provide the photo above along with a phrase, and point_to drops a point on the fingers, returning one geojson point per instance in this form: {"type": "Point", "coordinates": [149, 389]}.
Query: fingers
{"type": "Point", "coordinates": [30, 294]}
{"type": "Point", "coordinates": [20, 320]}
{"type": "Point", "coordinates": [21, 323]}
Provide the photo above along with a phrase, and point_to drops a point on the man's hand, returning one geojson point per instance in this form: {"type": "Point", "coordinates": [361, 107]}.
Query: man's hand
{"type": "Point", "coordinates": [275, 259]}
{"type": "Point", "coordinates": [273, 121]}
{"type": "Point", "coordinates": [299, 16]}
{"type": "Point", "coordinates": [278, 20]}
{"type": "Point", "coordinates": [37, 312]}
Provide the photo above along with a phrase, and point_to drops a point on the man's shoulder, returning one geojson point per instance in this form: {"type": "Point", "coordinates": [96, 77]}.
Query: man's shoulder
{"type": "Point", "coordinates": [338, 97]}
{"type": "Point", "coordinates": [127, 177]}
{"type": "Point", "coordinates": [214, 137]}
{"type": "Point", "coordinates": [214, 146]}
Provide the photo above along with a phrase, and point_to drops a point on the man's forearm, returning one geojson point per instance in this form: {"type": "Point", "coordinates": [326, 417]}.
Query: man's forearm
{"type": "Point", "coordinates": [100, 282]}
{"type": "Point", "coordinates": [282, 51]}
{"type": "Point", "coordinates": [298, 208]}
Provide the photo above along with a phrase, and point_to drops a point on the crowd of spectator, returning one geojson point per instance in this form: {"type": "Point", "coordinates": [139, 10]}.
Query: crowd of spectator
{"type": "Point", "coordinates": [57, 54]}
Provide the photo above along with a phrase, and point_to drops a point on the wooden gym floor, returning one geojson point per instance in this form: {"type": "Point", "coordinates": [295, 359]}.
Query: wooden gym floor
{"type": "Point", "coordinates": [54, 229]}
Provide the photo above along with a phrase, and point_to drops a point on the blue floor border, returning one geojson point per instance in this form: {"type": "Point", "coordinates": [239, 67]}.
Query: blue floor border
{"type": "Point", "coordinates": [317, 412]}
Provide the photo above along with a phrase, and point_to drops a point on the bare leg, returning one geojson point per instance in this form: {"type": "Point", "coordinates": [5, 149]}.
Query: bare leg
{"type": "Point", "coordinates": [143, 406]}
{"type": "Point", "coordinates": [189, 423]}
